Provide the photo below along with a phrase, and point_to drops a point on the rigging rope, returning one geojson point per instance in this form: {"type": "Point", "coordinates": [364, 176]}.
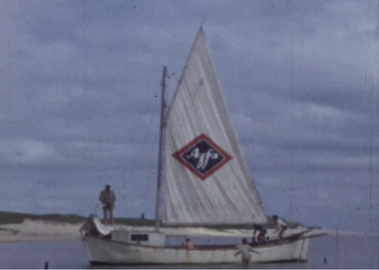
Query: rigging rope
{"type": "Point", "coordinates": [151, 172]}
{"type": "Point", "coordinates": [128, 174]}
{"type": "Point", "coordinates": [134, 131]}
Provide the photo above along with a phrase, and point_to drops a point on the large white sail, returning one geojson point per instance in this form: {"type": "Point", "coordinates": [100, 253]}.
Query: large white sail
{"type": "Point", "coordinates": [206, 179]}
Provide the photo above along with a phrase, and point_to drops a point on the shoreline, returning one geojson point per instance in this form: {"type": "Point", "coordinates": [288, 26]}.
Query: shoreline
{"type": "Point", "coordinates": [49, 231]}
{"type": "Point", "coordinates": [39, 231]}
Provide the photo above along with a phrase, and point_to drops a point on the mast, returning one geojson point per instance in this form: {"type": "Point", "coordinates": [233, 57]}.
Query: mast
{"type": "Point", "coordinates": [159, 176]}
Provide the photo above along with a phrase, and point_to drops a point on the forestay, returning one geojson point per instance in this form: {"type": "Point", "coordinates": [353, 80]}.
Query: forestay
{"type": "Point", "coordinates": [207, 181]}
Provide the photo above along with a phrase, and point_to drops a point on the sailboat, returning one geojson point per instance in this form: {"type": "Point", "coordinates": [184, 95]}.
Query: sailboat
{"type": "Point", "coordinates": [206, 182]}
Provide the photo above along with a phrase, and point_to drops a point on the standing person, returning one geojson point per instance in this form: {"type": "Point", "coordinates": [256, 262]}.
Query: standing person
{"type": "Point", "coordinates": [108, 198]}
{"type": "Point", "coordinates": [245, 250]}
{"type": "Point", "coordinates": [189, 244]}
{"type": "Point", "coordinates": [262, 233]}
{"type": "Point", "coordinates": [282, 226]}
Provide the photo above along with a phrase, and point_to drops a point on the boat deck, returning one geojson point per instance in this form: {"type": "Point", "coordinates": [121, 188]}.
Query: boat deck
{"type": "Point", "coordinates": [267, 243]}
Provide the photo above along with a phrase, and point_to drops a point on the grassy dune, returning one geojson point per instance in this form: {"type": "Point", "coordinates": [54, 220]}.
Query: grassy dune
{"type": "Point", "coordinates": [14, 218]}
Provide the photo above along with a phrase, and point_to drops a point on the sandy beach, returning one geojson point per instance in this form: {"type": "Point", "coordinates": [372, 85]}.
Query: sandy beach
{"type": "Point", "coordinates": [41, 231]}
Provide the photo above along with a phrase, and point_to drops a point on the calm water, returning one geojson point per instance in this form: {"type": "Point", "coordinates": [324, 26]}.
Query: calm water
{"type": "Point", "coordinates": [327, 252]}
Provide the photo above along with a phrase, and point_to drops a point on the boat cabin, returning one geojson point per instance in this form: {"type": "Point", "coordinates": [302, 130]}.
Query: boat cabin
{"type": "Point", "coordinates": [145, 238]}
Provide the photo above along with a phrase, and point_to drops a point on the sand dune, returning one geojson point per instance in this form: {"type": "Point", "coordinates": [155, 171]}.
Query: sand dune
{"type": "Point", "coordinates": [31, 230]}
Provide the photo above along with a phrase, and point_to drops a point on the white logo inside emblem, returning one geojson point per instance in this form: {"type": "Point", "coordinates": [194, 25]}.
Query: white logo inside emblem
{"type": "Point", "coordinates": [202, 157]}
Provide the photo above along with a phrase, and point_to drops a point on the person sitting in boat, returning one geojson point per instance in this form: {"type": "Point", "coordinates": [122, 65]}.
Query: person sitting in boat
{"type": "Point", "coordinates": [189, 244]}
{"type": "Point", "coordinates": [282, 226]}
{"type": "Point", "coordinates": [108, 197]}
{"type": "Point", "coordinates": [262, 233]}
{"type": "Point", "coordinates": [245, 250]}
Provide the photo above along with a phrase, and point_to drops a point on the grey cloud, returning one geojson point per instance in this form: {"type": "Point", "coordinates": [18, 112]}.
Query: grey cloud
{"type": "Point", "coordinates": [79, 81]}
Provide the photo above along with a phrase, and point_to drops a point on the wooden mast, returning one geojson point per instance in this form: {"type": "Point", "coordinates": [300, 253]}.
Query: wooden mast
{"type": "Point", "coordinates": [159, 176]}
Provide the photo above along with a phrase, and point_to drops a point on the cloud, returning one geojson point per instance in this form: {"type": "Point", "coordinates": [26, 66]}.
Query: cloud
{"type": "Point", "coordinates": [80, 100]}
{"type": "Point", "coordinates": [26, 152]}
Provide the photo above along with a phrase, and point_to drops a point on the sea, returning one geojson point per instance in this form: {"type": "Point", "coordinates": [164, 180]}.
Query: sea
{"type": "Point", "coordinates": [348, 252]}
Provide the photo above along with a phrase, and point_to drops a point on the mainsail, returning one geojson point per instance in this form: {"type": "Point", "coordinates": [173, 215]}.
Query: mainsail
{"type": "Point", "coordinates": [206, 179]}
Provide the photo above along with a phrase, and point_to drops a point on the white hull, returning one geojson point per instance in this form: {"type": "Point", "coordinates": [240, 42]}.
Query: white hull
{"type": "Point", "coordinates": [105, 251]}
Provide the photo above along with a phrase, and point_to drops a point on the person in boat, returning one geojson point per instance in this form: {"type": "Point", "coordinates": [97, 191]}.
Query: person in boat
{"type": "Point", "coordinates": [281, 226]}
{"type": "Point", "coordinates": [245, 251]}
{"type": "Point", "coordinates": [261, 235]}
{"type": "Point", "coordinates": [108, 197]}
{"type": "Point", "coordinates": [189, 244]}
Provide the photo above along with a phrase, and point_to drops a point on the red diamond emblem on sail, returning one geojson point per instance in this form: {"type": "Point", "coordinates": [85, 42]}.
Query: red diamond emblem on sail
{"type": "Point", "coordinates": [202, 156]}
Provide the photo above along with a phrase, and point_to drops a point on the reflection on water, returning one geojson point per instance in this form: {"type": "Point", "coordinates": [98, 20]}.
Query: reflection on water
{"type": "Point", "coordinates": [327, 252]}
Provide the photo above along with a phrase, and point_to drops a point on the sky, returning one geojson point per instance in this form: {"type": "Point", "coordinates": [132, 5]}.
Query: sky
{"type": "Point", "coordinates": [80, 101]}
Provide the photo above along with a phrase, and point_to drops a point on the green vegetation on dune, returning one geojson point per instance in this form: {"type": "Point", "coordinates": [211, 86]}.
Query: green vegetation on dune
{"type": "Point", "coordinates": [135, 221]}
{"type": "Point", "coordinates": [13, 218]}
